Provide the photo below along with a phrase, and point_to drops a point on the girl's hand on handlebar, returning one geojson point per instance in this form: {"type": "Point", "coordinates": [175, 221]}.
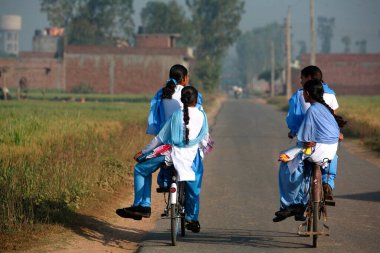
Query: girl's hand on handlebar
{"type": "Point", "coordinates": [341, 137]}
{"type": "Point", "coordinates": [137, 155]}
{"type": "Point", "coordinates": [309, 144]}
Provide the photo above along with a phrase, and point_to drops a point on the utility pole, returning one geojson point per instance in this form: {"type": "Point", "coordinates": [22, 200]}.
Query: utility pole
{"type": "Point", "coordinates": [272, 91]}
{"type": "Point", "coordinates": [288, 56]}
{"type": "Point", "coordinates": [312, 34]}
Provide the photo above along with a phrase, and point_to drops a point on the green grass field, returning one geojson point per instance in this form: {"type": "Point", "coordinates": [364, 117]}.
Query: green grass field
{"type": "Point", "coordinates": [54, 155]}
{"type": "Point", "coordinates": [58, 95]}
{"type": "Point", "coordinates": [361, 112]}
{"type": "Point", "coordinates": [363, 115]}
{"type": "Point", "coordinates": [57, 154]}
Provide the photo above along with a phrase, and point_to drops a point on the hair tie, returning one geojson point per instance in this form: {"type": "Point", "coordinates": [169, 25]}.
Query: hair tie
{"type": "Point", "coordinates": [172, 79]}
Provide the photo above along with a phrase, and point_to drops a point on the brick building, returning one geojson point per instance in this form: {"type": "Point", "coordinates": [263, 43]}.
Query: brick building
{"type": "Point", "coordinates": [347, 74]}
{"type": "Point", "coordinates": [140, 69]}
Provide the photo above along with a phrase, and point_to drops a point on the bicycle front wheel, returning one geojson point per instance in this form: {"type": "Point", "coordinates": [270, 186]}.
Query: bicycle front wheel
{"type": "Point", "coordinates": [315, 223]}
{"type": "Point", "coordinates": [174, 217]}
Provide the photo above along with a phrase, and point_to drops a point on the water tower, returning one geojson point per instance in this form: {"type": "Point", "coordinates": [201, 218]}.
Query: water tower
{"type": "Point", "coordinates": [10, 26]}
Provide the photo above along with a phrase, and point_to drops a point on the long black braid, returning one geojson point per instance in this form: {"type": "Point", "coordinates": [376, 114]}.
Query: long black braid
{"type": "Point", "coordinates": [314, 88]}
{"type": "Point", "coordinates": [189, 97]}
{"type": "Point", "coordinates": [176, 74]}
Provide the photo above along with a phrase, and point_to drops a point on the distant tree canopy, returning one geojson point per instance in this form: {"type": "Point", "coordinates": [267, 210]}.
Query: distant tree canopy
{"type": "Point", "coordinates": [91, 21]}
{"type": "Point", "coordinates": [346, 40]}
{"type": "Point", "coordinates": [325, 32]}
{"type": "Point", "coordinates": [254, 51]}
{"type": "Point", "coordinates": [160, 17]}
{"type": "Point", "coordinates": [215, 24]}
{"type": "Point", "coordinates": [267, 75]}
{"type": "Point", "coordinates": [362, 46]}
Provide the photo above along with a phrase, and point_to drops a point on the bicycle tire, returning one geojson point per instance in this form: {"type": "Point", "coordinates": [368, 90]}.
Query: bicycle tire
{"type": "Point", "coordinates": [315, 223]}
{"type": "Point", "coordinates": [183, 229]}
{"type": "Point", "coordinates": [181, 200]}
{"type": "Point", "coordinates": [309, 220]}
{"type": "Point", "coordinates": [174, 220]}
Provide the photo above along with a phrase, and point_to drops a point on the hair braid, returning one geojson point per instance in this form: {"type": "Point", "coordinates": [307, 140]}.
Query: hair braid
{"type": "Point", "coordinates": [169, 89]}
{"type": "Point", "coordinates": [339, 119]}
{"type": "Point", "coordinates": [186, 119]}
{"type": "Point", "coordinates": [316, 91]}
{"type": "Point", "coordinates": [189, 97]}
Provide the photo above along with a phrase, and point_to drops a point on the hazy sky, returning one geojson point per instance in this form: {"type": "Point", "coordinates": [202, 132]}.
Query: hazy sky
{"type": "Point", "coordinates": [359, 19]}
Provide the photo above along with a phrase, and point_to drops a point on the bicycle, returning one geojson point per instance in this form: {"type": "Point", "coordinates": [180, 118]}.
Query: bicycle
{"type": "Point", "coordinates": [175, 206]}
{"type": "Point", "coordinates": [316, 206]}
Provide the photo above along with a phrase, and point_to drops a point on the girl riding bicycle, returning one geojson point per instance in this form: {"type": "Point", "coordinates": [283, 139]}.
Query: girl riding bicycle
{"type": "Point", "coordinates": [184, 130]}
{"type": "Point", "coordinates": [166, 101]}
{"type": "Point", "coordinates": [296, 113]}
{"type": "Point", "coordinates": [320, 130]}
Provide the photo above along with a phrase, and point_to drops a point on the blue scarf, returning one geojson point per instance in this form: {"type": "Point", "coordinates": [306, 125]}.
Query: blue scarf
{"type": "Point", "coordinates": [173, 131]}
{"type": "Point", "coordinates": [156, 118]}
{"type": "Point", "coordinates": [319, 126]}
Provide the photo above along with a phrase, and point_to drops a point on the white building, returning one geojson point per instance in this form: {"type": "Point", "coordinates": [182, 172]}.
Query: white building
{"type": "Point", "coordinates": [10, 26]}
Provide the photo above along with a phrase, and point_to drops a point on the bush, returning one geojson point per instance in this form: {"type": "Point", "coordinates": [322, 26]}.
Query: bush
{"type": "Point", "coordinates": [83, 88]}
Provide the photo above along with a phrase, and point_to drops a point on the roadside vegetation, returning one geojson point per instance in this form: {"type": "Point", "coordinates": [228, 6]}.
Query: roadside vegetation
{"type": "Point", "coordinates": [361, 112]}
{"type": "Point", "coordinates": [55, 155]}
{"type": "Point", "coordinates": [81, 95]}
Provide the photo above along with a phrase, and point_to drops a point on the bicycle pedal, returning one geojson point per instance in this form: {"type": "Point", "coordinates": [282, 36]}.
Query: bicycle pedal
{"type": "Point", "coordinates": [329, 202]}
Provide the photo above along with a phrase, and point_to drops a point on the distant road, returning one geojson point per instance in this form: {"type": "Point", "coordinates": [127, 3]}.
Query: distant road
{"type": "Point", "coordinates": [240, 193]}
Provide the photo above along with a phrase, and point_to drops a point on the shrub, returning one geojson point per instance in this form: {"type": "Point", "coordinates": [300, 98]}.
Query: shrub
{"type": "Point", "coordinates": [83, 88]}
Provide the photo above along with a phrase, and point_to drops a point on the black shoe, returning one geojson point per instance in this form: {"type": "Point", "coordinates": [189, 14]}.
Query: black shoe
{"type": "Point", "coordinates": [279, 218]}
{"type": "Point", "coordinates": [292, 210]}
{"type": "Point", "coordinates": [284, 212]}
{"type": "Point", "coordinates": [124, 214]}
{"type": "Point", "coordinates": [193, 226]}
{"type": "Point", "coordinates": [299, 217]}
{"type": "Point", "coordinates": [327, 191]}
{"type": "Point", "coordinates": [163, 189]}
{"type": "Point", "coordinates": [138, 211]}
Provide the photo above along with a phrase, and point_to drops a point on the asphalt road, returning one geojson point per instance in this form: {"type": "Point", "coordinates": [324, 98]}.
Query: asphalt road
{"type": "Point", "coordinates": [240, 193]}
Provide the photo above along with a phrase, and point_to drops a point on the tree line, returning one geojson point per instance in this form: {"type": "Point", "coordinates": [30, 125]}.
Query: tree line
{"type": "Point", "coordinates": [211, 28]}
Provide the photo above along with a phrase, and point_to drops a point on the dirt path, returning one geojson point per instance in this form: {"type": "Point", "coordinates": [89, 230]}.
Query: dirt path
{"type": "Point", "coordinates": [99, 229]}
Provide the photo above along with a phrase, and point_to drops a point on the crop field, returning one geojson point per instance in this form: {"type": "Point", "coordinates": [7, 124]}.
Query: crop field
{"type": "Point", "coordinates": [363, 115]}
{"type": "Point", "coordinates": [53, 155]}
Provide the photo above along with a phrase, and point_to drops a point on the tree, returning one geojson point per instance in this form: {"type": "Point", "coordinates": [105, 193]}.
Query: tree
{"type": "Point", "coordinates": [253, 50]}
{"type": "Point", "coordinates": [160, 17]}
{"type": "Point", "coordinates": [362, 45]}
{"type": "Point", "coordinates": [91, 21]}
{"type": "Point", "coordinates": [346, 40]}
{"type": "Point", "coordinates": [215, 24]}
{"type": "Point", "coordinates": [325, 32]}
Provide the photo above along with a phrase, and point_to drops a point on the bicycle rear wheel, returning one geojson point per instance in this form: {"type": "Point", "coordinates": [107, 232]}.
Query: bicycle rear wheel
{"type": "Point", "coordinates": [183, 226]}
{"type": "Point", "coordinates": [181, 200]}
{"type": "Point", "coordinates": [174, 217]}
{"type": "Point", "coordinates": [315, 223]}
